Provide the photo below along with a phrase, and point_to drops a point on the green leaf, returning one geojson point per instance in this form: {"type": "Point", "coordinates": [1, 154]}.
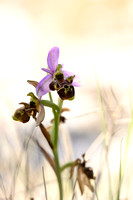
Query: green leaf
{"type": "Point", "coordinates": [50, 104]}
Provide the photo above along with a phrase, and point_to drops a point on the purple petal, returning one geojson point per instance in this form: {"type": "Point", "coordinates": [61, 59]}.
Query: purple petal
{"type": "Point", "coordinates": [76, 81]}
{"type": "Point", "coordinates": [46, 70]}
{"type": "Point", "coordinates": [66, 73]}
{"type": "Point", "coordinates": [52, 59]}
{"type": "Point", "coordinates": [43, 86]}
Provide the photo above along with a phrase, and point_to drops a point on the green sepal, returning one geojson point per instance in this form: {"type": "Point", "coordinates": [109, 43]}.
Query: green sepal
{"type": "Point", "coordinates": [59, 66]}
{"type": "Point", "coordinates": [70, 99]}
{"type": "Point", "coordinates": [32, 96]}
{"type": "Point", "coordinates": [15, 118]}
{"type": "Point", "coordinates": [50, 104]}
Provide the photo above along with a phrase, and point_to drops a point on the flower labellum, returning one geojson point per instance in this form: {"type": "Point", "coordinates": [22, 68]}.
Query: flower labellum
{"type": "Point", "coordinates": [65, 89]}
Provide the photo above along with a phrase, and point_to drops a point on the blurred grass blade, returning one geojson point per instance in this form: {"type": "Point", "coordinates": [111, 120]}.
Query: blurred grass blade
{"type": "Point", "coordinates": [129, 133]}
{"type": "Point", "coordinates": [3, 189]}
{"type": "Point", "coordinates": [120, 174]}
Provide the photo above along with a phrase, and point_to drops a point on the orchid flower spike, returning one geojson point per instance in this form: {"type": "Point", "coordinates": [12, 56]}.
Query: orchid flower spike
{"type": "Point", "coordinates": [53, 70]}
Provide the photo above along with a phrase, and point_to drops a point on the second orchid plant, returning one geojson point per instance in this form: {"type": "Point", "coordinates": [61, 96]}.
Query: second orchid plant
{"type": "Point", "coordinates": [64, 83]}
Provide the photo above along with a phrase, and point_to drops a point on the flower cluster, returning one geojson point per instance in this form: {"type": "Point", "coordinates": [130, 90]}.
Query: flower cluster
{"type": "Point", "coordinates": [57, 79]}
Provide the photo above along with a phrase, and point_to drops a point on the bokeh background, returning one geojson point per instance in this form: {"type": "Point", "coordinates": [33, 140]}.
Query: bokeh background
{"type": "Point", "coordinates": [95, 38]}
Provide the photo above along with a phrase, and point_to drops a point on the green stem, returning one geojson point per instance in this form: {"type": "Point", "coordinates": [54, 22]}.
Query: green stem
{"type": "Point", "coordinates": [69, 164]}
{"type": "Point", "coordinates": [56, 129]}
{"type": "Point", "coordinates": [58, 172]}
{"type": "Point", "coordinates": [57, 120]}
{"type": "Point", "coordinates": [60, 104]}
{"type": "Point", "coordinates": [55, 134]}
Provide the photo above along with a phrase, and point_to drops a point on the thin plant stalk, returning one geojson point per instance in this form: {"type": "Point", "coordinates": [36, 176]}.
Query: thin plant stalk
{"type": "Point", "coordinates": [54, 137]}
{"type": "Point", "coordinates": [58, 172]}
{"type": "Point", "coordinates": [3, 187]}
{"type": "Point", "coordinates": [96, 192]}
{"type": "Point", "coordinates": [27, 170]}
{"type": "Point", "coordinates": [45, 189]}
{"type": "Point", "coordinates": [128, 137]}
{"type": "Point", "coordinates": [130, 130]}
{"type": "Point", "coordinates": [74, 186]}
